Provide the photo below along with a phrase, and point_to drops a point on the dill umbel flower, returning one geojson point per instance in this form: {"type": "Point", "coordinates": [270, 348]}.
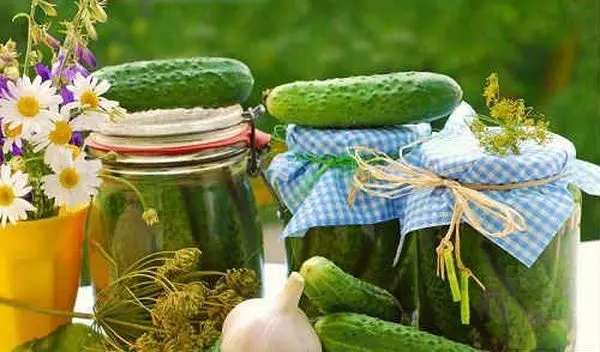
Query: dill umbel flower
{"type": "Point", "coordinates": [184, 261]}
{"type": "Point", "coordinates": [175, 309]}
{"type": "Point", "coordinates": [243, 281]}
{"type": "Point", "coordinates": [515, 122]}
{"type": "Point", "coordinates": [208, 334]}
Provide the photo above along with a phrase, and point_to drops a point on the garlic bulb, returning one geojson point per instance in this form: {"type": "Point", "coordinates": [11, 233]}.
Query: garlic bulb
{"type": "Point", "coordinates": [271, 325]}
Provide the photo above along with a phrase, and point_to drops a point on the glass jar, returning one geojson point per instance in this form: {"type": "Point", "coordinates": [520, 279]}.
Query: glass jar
{"type": "Point", "coordinates": [365, 251]}
{"type": "Point", "coordinates": [522, 309]}
{"type": "Point", "coordinates": [191, 166]}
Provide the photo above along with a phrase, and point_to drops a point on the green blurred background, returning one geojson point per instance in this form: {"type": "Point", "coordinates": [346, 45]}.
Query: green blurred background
{"type": "Point", "coordinates": [545, 51]}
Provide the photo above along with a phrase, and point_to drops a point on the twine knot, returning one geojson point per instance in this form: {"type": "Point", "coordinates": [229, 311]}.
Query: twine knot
{"type": "Point", "coordinates": [382, 176]}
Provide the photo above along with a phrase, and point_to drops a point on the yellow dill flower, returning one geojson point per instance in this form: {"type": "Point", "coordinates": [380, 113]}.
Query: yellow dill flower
{"type": "Point", "coordinates": [508, 111]}
{"type": "Point", "coordinates": [175, 309]}
{"type": "Point", "coordinates": [513, 119]}
{"type": "Point", "coordinates": [491, 92]}
{"type": "Point", "coordinates": [184, 261]}
{"type": "Point", "coordinates": [243, 281]}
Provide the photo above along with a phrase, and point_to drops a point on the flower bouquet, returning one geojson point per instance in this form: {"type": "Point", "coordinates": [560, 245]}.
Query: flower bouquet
{"type": "Point", "coordinates": [49, 102]}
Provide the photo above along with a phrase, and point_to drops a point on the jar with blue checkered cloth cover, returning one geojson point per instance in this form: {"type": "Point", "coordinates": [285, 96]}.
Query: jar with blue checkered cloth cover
{"type": "Point", "coordinates": [312, 181]}
{"type": "Point", "coordinates": [507, 226]}
{"type": "Point", "coordinates": [501, 231]}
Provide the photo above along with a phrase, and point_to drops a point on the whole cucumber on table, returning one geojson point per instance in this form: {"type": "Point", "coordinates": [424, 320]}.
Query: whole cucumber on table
{"type": "Point", "coordinates": [332, 290]}
{"type": "Point", "coordinates": [207, 82]}
{"type": "Point", "coordinates": [378, 100]}
{"type": "Point", "coordinates": [350, 332]}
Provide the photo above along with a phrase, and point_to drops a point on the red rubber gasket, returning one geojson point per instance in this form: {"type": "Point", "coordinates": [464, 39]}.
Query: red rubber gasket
{"type": "Point", "coordinates": [262, 140]}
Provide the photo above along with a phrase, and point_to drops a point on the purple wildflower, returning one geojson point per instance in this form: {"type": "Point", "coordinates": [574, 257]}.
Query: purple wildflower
{"type": "Point", "coordinates": [59, 64]}
{"type": "Point", "coordinates": [3, 86]}
{"type": "Point", "coordinates": [72, 72]}
{"type": "Point", "coordinates": [52, 42]}
{"type": "Point", "coordinates": [43, 71]}
{"type": "Point", "coordinates": [85, 55]}
{"type": "Point", "coordinates": [16, 151]}
{"type": "Point", "coordinates": [67, 95]}
{"type": "Point", "coordinates": [77, 139]}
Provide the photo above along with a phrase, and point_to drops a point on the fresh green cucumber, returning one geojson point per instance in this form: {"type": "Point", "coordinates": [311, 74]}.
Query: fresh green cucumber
{"type": "Point", "coordinates": [343, 245]}
{"type": "Point", "coordinates": [378, 267]}
{"type": "Point", "coordinates": [553, 337]}
{"type": "Point", "coordinates": [531, 286]}
{"type": "Point", "coordinates": [505, 319]}
{"type": "Point", "coordinates": [295, 250]}
{"type": "Point", "coordinates": [378, 100]}
{"type": "Point", "coordinates": [332, 290]}
{"type": "Point", "coordinates": [208, 82]}
{"type": "Point", "coordinates": [349, 332]}
{"type": "Point", "coordinates": [173, 229]}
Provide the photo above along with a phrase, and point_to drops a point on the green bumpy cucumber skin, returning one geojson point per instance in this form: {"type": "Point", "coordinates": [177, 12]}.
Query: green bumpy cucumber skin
{"type": "Point", "coordinates": [350, 332]}
{"type": "Point", "coordinates": [506, 319]}
{"type": "Point", "coordinates": [208, 82]}
{"type": "Point", "coordinates": [531, 286]}
{"type": "Point", "coordinates": [332, 290]}
{"type": "Point", "coordinates": [378, 100]}
{"type": "Point", "coordinates": [342, 245]}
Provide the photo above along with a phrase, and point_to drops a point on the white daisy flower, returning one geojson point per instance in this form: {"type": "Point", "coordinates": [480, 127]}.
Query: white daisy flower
{"type": "Point", "coordinates": [12, 136]}
{"type": "Point", "coordinates": [94, 108]}
{"type": "Point", "coordinates": [13, 187]}
{"type": "Point", "coordinates": [73, 181]}
{"type": "Point", "coordinates": [54, 135]}
{"type": "Point", "coordinates": [29, 103]}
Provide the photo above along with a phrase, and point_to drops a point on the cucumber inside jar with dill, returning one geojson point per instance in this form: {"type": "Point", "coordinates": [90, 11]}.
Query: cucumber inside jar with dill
{"type": "Point", "coordinates": [496, 232]}
{"type": "Point", "coordinates": [176, 169]}
{"type": "Point", "coordinates": [313, 179]}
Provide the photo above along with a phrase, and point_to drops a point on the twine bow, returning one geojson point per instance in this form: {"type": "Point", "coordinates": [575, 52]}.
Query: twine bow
{"type": "Point", "coordinates": [382, 176]}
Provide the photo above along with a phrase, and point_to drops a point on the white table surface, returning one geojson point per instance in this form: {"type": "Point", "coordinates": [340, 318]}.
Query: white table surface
{"type": "Point", "coordinates": [588, 294]}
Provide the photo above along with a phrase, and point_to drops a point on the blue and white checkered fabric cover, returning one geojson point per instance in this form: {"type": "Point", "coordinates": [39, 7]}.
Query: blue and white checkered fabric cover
{"type": "Point", "coordinates": [323, 200]}
{"type": "Point", "coordinates": [453, 153]}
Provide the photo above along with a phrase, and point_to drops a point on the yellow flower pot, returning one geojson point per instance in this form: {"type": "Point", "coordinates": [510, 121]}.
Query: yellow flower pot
{"type": "Point", "coordinates": [40, 264]}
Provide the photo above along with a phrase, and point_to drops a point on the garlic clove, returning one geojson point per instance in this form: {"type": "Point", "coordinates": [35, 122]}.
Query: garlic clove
{"type": "Point", "coordinates": [271, 325]}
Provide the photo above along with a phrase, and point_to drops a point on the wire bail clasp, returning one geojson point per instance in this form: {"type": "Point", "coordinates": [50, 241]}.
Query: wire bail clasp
{"type": "Point", "coordinates": [251, 116]}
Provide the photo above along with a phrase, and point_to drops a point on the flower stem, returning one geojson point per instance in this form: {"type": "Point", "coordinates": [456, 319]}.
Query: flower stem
{"type": "Point", "coordinates": [69, 46]}
{"type": "Point", "coordinates": [489, 120]}
{"type": "Point", "coordinates": [33, 158]}
{"type": "Point", "coordinates": [132, 325]}
{"type": "Point", "coordinates": [129, 185]}
{"type": "Point", "coordinates": [30, 21]}
{"type": "Point", "coordinates": [47, 311]}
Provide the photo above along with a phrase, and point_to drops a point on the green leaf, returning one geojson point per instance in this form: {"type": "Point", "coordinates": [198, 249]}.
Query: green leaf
{"type": "Point", "coordinates": [67, 338]}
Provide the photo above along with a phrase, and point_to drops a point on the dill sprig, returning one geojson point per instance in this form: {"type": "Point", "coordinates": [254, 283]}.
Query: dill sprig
{"type": "Point", "coordinates": [514, 122]}
{"type": "Point", "coordinates": [163, 303]}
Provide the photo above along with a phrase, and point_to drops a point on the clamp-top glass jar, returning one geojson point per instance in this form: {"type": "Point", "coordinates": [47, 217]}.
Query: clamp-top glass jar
{"type": "Point", "coordinates": [192, 167]}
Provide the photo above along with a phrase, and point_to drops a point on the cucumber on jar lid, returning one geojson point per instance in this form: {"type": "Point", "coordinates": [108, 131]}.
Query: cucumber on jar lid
{"type": "Point", "coordinates": [378, 100]}
{"type": "Point", "coordinates": [207, 82]}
